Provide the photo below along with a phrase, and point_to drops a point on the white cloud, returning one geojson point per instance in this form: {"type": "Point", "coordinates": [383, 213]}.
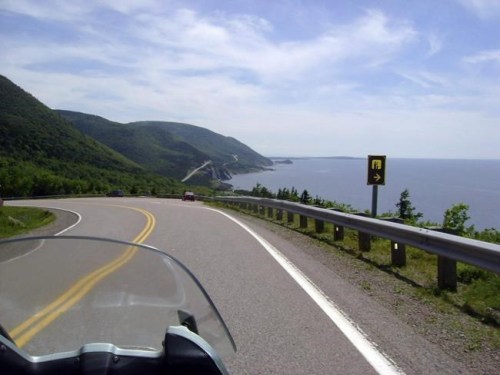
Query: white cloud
{"type": "Point", "coordinates": [425, 79]}
{"type": "Point", "coordinates": [129, 7]}
{"type": "Point", "coordinates": [48, 9]}
{"type": "Point", "coordinates": [484, 56]}
{"type": "Point", "coordinates": [243, 43]}
{"type": "Point", "coordinates": [485, 9]}
{"type": "Point", "coordinates": [186, 41]}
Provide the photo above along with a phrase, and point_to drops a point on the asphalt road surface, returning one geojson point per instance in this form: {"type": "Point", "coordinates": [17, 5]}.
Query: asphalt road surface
{"type": "Point", "coordinates": [287, 311]}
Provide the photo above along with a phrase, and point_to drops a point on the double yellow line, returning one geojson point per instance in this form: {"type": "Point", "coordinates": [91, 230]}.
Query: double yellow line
{"type": "Point", "coordinates": [25, 331]}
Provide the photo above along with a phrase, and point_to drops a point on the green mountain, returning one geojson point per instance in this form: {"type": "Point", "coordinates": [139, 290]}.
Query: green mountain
{"type": "Point", "coordinates": [41, 153]}
{"type": "Point", "coordinates": [223, 151]}
{"type": "Point", "coordinates": [172, 149]}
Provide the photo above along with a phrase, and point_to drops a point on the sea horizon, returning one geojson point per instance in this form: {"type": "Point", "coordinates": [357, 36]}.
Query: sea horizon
{"type": "Point", "coordinates": [434, 184]}
{"type": "Point", "coordinates": [366, 157]}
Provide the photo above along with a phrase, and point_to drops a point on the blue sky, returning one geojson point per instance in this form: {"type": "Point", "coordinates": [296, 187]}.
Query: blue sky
{"type": "Point", "coordinates": [404, 78]}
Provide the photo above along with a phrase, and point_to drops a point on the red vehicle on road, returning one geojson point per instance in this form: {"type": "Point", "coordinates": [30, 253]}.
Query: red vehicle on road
{"type": "Point", "coordinates": [188, 196]}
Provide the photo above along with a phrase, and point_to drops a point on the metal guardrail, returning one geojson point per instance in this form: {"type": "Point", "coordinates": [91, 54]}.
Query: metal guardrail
{"type": "Point", "coordinates": [449, 248]}
{"type": "Point", "coordinates": [446, 246]}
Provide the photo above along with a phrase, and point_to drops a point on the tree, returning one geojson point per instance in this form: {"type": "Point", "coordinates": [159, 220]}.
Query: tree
{"type": "Point", "coordinates": [283, 194]}
{"type": "Point", "coordinates": [455, 218]}
{"type": "Point", "coordinates": [294, 195]}
{"type": "Point", "coordinates": [305, 198]}
{"type": "Point", "coordinates": [406, 210]}
{"type": "Point", "coordinates": [261, 191]}
{"type": "Point", "coordinates": [319, 201]}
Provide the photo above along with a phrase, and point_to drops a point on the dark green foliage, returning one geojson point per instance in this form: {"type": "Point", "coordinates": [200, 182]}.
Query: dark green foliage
{"type": "Point", "coordinates": [283, 194]}
{"type": "Point", "coordinates": [153, 149]}
{"type": "Point", "coordinates": [26, 179]}
{"type": "Point", "coordinates": [293, 196]}
{"type": "Point", "coordinates": [288, 195]}
{"type": "Point", "coordinates": [43, 154]}
{"type": "Point", "coordinates": [261, 191]}
{"type": "Point", "coordinates": [488, 235]}
{"type": "Point", "coordinates": [31, 131]}
{"type": "Point", "coordinates": [405, 209]}
{"type": "Point", "coordinates": [467, 274]}
{"type": "Point", "coordinates": [320, 202]}
{"type": "Point", "coordinates": [223, 151]}
{"type": "Point", "coordinates": [305, 198]}
{"type": "Point", "coordinates": [171, 149]}
{"type": "Point", "coordinates": [455, 218]}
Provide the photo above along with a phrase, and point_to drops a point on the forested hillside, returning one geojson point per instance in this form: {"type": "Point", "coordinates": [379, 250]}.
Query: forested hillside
{"type": "Point", "coordinates": [223, 151]}
{"type": "Point", "coordinates": [41, 153]}
{"type": "Point", "coordinates": [171, 149]}
{"type": "Point", "coordinates": [155, 150]}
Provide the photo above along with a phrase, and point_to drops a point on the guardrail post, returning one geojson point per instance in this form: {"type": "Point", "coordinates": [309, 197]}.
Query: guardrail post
{"type": "Point", "coordinates": [398, 254]}
{"type": "Point", "coordinates": [398, 250]}
{"type": "Point", "coordinates": [447, 268]}
{"type": "Point", "coordinates": [338, 230]}
{"type": "Point", "coordinates": [270, 212]}
{"type": "Point", "coordinates": [364, 239]}
{"type": "Point", "coordinates": [319, 225]}
{"type": "Point", "coordinates": [262, 210]}
{"type": "Point", "coordinates": [279, 215]}
{"type": "Point", "coordinates": [447, 273]}
{"type": "Point", "coordinates": [303, 221]}
{"type": "Point", "coordinates": [255, 208]}
{"type": "Point", "coordinates": [289, 217]}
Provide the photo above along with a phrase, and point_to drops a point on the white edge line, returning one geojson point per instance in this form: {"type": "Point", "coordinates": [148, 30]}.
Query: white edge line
{"type": "Point", "coordinates": [71, 226]}
{"type": "Point", "coordinates": [57, 234]}
{"type": "Point", "coordinates": [378, 360]}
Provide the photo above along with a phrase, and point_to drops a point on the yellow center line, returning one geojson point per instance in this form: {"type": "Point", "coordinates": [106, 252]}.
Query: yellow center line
{"type": "Point", "coordinates": [25, 331]}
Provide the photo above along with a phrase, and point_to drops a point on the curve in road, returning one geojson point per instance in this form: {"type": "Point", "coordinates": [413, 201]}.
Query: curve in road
{"type": "Point", "coordinates": [25, 331]}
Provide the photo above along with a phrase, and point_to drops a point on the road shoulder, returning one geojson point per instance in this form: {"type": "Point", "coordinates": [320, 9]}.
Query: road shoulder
{"type": "Point", "coordinates": [64, 219]}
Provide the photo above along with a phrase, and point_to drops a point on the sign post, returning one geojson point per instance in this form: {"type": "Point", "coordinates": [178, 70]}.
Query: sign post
{"type": "Point", "coordinates": [376, 177]}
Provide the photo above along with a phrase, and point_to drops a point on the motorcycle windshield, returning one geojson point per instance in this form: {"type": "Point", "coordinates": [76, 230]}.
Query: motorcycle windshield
{"type": "Point", "coordinates": [60, 293]}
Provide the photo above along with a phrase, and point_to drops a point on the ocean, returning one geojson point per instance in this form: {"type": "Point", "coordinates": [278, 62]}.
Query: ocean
{"type": "Point", "coordinates": [434, 185]}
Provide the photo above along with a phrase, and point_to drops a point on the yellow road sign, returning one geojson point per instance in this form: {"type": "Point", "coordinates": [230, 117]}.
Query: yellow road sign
{"type": "Point", "coordinates": [376, 170]}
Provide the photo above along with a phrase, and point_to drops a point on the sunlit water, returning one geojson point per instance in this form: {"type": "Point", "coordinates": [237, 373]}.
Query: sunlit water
{"type": "Point", "coordinates": [434, 185]}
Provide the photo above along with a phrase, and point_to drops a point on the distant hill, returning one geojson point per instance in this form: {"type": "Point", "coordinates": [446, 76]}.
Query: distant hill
{"type": "Point", "coordinates": [224, 151]}
{"type": "Point", "coordinates": [41, 153]}
{"type": "Point", "coordinates": [172, 149]}
{"type": "Point", "coordinates": [153, 149]}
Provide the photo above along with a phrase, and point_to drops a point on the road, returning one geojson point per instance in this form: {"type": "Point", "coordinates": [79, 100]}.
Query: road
{"type": "Point", "coordinates": [288, 312]}
{"type": "Point", "coordinates": [189, 175]}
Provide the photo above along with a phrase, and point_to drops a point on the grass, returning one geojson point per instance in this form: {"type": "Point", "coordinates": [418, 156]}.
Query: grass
{"type": "Point", "coordinates": [19, 220]}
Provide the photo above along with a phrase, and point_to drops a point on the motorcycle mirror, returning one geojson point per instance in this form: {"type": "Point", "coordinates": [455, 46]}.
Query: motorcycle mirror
{"type": "Point", "coordinates": [187, 320]}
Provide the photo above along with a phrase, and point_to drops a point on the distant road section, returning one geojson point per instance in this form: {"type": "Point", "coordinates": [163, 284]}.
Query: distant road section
{"type": "Point", "coordinates": [196, 170]}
